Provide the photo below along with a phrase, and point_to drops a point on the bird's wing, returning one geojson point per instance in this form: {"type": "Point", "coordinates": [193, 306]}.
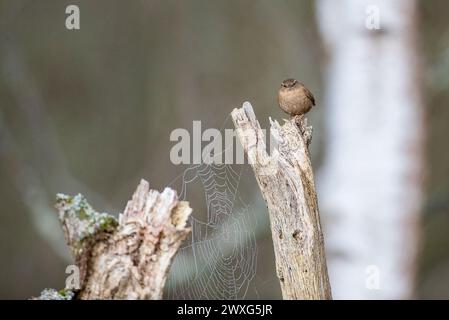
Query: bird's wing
{"type": "Point", "coordinates": [309, 95]}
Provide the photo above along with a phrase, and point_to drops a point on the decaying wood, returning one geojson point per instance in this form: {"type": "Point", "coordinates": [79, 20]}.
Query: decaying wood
{"type": "Point", "coordinates": [286, 180]}
{"type": "Point", "coordinates": [128, 258]}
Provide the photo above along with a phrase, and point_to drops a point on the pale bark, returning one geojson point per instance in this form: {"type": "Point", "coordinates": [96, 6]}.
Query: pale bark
{"type": "Point", "coordinates": [286, 180]}
{"type": "Point", "coordinates": [128, 258]}
{"type": "Point", "coordinates": [371, 183]}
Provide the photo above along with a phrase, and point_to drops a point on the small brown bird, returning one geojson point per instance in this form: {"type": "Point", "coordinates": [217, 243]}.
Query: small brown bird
{"type": "Point", "coordinates": [294, 98]}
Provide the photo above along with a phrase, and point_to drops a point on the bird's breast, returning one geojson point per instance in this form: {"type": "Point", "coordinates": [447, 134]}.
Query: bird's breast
{"type": "Point", "coordinates": [294, 101]}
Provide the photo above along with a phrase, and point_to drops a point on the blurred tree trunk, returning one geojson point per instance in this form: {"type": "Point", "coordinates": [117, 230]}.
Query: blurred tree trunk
{"type": "Point", "coordinates": [371, 183]}
{"type": "Point", "coordinates": [286, 181]}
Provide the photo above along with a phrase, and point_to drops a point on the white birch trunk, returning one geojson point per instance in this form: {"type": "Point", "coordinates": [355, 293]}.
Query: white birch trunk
{"type": "Point", "coordinates": [370, 187]}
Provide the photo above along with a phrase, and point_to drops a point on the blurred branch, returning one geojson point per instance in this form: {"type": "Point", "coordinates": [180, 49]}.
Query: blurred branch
{"type": "Point", "coordinates": [49, 165]}
{"type": "Point", "coordinates": [29, 186]}
{"type": "Point", "coordinates": [47, 152]}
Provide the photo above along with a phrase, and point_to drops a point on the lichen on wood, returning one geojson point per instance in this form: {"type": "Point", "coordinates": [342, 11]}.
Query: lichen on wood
{"type": "Point", "coordinates": [52, 294]}
{"type": "Point", "coordinates": [128, 258]}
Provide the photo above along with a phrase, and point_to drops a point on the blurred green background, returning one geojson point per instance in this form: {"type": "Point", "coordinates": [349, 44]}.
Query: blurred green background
{"type": "Point", "coordinates": [91, 111]}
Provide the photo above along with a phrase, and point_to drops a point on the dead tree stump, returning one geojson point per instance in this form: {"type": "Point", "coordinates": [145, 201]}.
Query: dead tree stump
{"type": "Point", "coordinates": [286, 180]}
{"type": "Point", "coordinates": [128, 258]}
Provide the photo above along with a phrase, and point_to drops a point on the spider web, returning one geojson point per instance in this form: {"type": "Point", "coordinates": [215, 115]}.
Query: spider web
{"type": "Point", "coordinates": [218, 260]}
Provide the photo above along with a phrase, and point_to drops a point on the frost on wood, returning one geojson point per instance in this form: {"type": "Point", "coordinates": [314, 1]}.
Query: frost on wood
{"type": "Point", "coordinates": [128, 258]}
{"type": "Point", "coordinates": [286, 180]}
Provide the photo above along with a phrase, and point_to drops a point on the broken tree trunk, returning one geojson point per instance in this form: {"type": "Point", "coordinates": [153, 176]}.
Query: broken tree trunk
{"type": "Point", "coordinates": [128, 258]}
{"type": "Point", "coordinates": [286, 180]}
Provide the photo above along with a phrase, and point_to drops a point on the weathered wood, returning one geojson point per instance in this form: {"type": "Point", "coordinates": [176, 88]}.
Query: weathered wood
{"type": "Point", "coordinates": [286, 180]}
{"type": "Point", "coordinates": [128, 258]}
